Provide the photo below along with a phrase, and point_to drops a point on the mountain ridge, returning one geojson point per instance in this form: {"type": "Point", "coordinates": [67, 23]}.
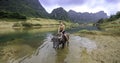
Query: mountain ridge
{"type": "Point", "coordinates": [86, 16]}
{"type": "Point", "coordinates": [30, 8]}
{"type": "Point", "coordinates": [78, 17]}
{"type": "Point", "coordinates": [33, 8]}
{"type": "Point", "coordinates": [60, 14]}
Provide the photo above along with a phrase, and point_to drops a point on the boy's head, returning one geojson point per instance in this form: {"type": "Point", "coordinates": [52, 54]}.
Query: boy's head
{"type": "Point", "coordinates": [61, 22]}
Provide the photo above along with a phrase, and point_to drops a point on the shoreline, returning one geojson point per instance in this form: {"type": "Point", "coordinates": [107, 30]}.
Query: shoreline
{"type": "Point", "coordinates": [33, 23]}
{"type": "Point", "coordinates": [108, 49]}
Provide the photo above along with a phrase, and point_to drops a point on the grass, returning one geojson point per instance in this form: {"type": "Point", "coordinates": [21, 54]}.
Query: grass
{"type": "Point", "coordinates": [108, 49]}
{"type": "Point", "coordinates": [33, 22]}
{"type": "Point", "coordinates": [49, 22]}
{"type": "Point", "coordinates": [107, 41]}
{"type": "Point", "coordinates": [93, 32]}
{"type": "Point", "coordinates": [113, 25]}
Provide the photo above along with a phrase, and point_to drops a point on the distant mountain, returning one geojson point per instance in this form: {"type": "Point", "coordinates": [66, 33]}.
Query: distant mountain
{"type": "Point", "coordinates": [30, 8]}
{"type": "Point", "coordinates": [86, 17]}
{"type": "Point", "coordinates": [110, 19]}
{"type": "Point", "coordinates": [60, 14]}
{"type": "Point", "coordinates": [33, 8]}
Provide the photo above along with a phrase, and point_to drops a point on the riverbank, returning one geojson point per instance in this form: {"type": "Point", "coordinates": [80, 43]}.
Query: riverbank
{"type": "Point", "coordinates": [111, 27]}
{"type": "Point", "coordinates": [32, 23]}
{"type": "Point", "coordinates": [108, 49]}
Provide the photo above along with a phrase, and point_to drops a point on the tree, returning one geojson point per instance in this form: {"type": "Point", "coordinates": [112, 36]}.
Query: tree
{"type": "Point", "coordinates": [100, 21]}
{"type": "Point", "coordinates": [13, 15]}
{"type": "Point", "coordinates": [118, 14]}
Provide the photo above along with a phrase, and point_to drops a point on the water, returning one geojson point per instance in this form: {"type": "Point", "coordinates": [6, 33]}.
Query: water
{"type": "Point", "coordinates": [46, 54]}
{"type": "Point", "coordinates": [16, 44]}
{"type": "Point", "coordinates": [73, 30]}
{"type": "Point", "coordinates": [35, 46]}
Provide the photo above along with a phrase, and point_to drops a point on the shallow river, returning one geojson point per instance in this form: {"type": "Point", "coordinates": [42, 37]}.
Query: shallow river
{"type": "Point", "coordinates": [35, 46]}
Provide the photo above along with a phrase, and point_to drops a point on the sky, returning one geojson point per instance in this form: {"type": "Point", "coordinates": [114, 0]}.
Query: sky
{"type": "Point", "coordinates": [92, 6]}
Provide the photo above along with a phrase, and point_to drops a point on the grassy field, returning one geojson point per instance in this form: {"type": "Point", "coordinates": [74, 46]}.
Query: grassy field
{"type": "Point", "coordinates": [112, 27]}
{"type": "Point", "coordinates": [108, 49]}
{"type": "Point", "coordinates": [46, 22]}
{"type": "Point", "coordinates": [107, 41]}
{"type": "Point", "coordinates": [34, 22]}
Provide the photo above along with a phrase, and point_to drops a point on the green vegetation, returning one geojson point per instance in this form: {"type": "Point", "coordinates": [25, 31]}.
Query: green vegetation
{"type": "Point", "coordinates": [87, 32]}
{"type": "Point", "coordinates": [29, 8]}
{"type": "Point", "coordinates": [59, 14]}
{"type": "Point", "coordinates": [72, 25]}
{"type": "Point", "coordinates": [93, 32]}
{"type": "Point", "coordinates": [112, 27]}
{"type": "Point", "coordinates": [33, 23]}
{"type": "Point", "coordinates": [26, 25]}
{"type": "Point", "coordinates": [49, 22]}
{"type": "Point", "coordinates": [111, 18]}
{"type": "Point", "coordinates": [111, 24]}
{"type": "Point", "coordinates": [16, 25]}
{"type": "Point", "coordinates": [11, 15]}
{"type": "Point", "coordinates": [108, 49]}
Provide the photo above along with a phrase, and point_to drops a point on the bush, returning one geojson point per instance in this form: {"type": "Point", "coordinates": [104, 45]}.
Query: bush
{"type": "Point", "coordinates": [17, 16]}
{"type": "Point", "coordinates": [112, 18]}
{"type": "Point", "coordinates": [118, 14]}
{"type": "Point", "coordinates": [37, 25]}
{"type": "Point", "coordinates": [27, 25]}
{"type": "Point", "coordinates": [17, 25]}
{"type": "Point", "coordinates": [13, 15]}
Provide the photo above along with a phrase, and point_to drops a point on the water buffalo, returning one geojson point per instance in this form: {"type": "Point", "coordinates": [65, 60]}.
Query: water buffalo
{"type": "Point", "coordinates": [60, 40]}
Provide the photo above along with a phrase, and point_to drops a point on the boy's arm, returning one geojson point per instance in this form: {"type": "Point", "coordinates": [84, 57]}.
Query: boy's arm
{"type": "Point", "coordinates": [64, 28]}
{"type": "Point", "coordinates": [58, 29]}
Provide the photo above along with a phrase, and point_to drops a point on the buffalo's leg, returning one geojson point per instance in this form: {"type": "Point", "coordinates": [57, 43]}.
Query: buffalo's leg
{"type": "Point", "coordinates": [67, 43]}
{"type": "Point", "coordinates": [53, 44]}
{"type": "Point", "coordinates": [57, 45]}
{"type": "Point", "coordinates": [63, 45]}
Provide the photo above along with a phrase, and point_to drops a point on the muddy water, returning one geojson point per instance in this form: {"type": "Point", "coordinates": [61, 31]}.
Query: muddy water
{"type": "Point", "coordinates": [78, 46]}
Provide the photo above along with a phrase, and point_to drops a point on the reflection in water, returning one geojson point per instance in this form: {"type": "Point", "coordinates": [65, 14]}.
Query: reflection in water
{"type": "Point", "coordinates": [61, 55]}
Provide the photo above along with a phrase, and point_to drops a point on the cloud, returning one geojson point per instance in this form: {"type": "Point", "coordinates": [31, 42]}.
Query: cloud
{"type": "Point", "coordinates": [62, 2]}
{"type": "Point", "coordinates": [112, 1]}
{"type": "Point", "coordinates": [71, 2]}
{"type": "Point", "coordinates": [109, 6]}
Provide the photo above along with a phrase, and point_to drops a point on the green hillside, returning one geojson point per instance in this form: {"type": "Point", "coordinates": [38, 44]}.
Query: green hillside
{"type": "Point", "coordinates": [29, 8]}
{"type": "Point", "coordinates": [111, 24]}
{"type": "Point", "coordinates": [60, 14]}
{"type": "Point", "coordinates": [11, 15]}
